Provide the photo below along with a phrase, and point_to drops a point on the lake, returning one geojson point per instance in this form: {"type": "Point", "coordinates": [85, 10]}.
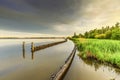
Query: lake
{"type": "Point", "coordinates": [18, 63]}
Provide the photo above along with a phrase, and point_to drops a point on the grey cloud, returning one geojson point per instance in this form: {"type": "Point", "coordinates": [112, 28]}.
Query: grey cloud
{"type": "Point", "coordinates": [38, 15]}
{"type": "Point", "coordinates": [44, 15]}
{"type": "Point", "coordinates": [46, 11]}
{"type": "Point", "coordinates": [55, 11]}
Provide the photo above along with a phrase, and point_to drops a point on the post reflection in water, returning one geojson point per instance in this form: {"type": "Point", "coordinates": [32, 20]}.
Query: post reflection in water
{"type": "Point", "coordinates": [23, 47]}
{"type": "Point", "coordinates": [23, 50]}
{"type": "Point", "coordinates": [32, 55]}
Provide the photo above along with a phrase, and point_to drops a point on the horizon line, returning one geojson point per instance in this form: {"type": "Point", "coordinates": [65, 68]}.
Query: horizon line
{"type": "Point", "coordinates": [32, 37]}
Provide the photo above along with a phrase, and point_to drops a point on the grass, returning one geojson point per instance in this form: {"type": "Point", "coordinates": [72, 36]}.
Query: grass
{"type": "Point", "coordinates": [101, 50]}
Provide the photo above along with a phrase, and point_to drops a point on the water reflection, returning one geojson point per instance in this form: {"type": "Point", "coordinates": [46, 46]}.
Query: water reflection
{"type": "Point", "coordinates": [117, 71]}
{"type": "Point", "coordinates": [23, 48]}
{"type": "Point", "coordinates": [98, 65]}
{"type": "Point", "coordinates": [15, 59]}
{"type": "Point", "coordinates": [92, 63]}
{"type": "Point", "coordinates": [32, 55]}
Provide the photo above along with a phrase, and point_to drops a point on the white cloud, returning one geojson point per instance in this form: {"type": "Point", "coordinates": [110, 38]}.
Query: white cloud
{"type": "Point", "coordinates": [99, 13]}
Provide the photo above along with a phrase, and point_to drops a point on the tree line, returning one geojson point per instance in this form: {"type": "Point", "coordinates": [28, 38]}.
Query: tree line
{"type": "Point", "coordinates": [107, 32]}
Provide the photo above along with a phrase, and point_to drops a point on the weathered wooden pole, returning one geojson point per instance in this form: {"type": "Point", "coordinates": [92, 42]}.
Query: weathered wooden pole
{"type": "Point", "coordinates": [32, 47]}
{"type": "Point", "coordinates": [32, 50]}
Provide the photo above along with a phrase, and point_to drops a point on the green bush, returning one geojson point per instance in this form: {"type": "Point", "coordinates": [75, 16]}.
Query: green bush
{"type": "Point", "coordinates": [116, 34]}
{"type": "Point", "coordinates": [100, 36]}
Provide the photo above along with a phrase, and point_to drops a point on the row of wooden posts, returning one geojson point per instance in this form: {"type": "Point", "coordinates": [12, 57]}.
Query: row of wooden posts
{"type": "Point", "coordinates": [36, 48]}
{"type": "Point", "coordinates": [23, 48]}
{"type": "Point", "coordinates": [63, 69]}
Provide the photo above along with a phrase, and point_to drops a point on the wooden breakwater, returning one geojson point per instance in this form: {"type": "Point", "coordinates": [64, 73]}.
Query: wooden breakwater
{"type": "Point", "coordinates": [63, 70]}
{"type": "Point", "coordinates": [36, 48]}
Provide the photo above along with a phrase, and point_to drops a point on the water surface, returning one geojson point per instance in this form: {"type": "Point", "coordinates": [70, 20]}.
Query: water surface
{"type": "Point", "coordinates": [18, 63]}
{"type": "Point", "coordinates": [89, 70]}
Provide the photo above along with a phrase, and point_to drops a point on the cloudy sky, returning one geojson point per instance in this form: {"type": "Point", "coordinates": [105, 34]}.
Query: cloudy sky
{"type": "Point", "coordinates": [57, 17]}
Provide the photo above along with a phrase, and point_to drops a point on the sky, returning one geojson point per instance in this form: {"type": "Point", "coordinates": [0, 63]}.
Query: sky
{"type": "Point", "coordinates": [56, 17]}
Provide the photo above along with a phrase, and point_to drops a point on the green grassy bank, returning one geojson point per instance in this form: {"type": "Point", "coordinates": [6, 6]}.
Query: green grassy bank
{"type": "Point", "coordinates": [101, 50]}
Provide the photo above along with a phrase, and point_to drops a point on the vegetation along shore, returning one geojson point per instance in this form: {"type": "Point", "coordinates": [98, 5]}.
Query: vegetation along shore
{"type": "Point", "coordinates": [102, 45]}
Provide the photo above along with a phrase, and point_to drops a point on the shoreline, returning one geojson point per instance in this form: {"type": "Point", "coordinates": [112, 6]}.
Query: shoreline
{"type": "Point", "coordinates": [94, 50]}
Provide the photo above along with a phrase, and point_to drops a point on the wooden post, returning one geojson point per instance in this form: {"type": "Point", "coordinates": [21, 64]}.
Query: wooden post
{"type": "Point", "coordinates": [32, 47]}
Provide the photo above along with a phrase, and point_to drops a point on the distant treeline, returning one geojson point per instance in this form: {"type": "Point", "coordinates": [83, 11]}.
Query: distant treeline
{"type": "Point", "coordinates": [103, 33]}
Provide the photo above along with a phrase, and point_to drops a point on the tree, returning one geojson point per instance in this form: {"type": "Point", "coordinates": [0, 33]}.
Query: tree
{"type": "Point", "coordinates": [75, 35]}
{"type": "Point", "coordinates": [108, 34]}
{"type": "Point", "coordinates": [86, 34]}
{"type": "Point", "coordinates": [115, 34]}
{"type": "Point", "coordinates": [81, 35]}
{"type": "Point", "coordinates": [117, 25]}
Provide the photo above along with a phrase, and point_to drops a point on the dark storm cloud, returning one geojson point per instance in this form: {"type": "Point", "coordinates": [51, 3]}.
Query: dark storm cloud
{"type": "Point", "coordinates": [45, 10]}
{"type": "Point", "coordinates": [55, 11]}
{"type": "Point", "coordinates": [37, 15]}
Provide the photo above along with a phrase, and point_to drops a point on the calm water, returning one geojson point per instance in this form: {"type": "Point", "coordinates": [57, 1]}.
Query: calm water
{"type": "Point", "coordinates": [88, 70]}
{"type": "Point", "coordinates": [15, 66]}
{"type": "Point", "coordinates": [17, 63]}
